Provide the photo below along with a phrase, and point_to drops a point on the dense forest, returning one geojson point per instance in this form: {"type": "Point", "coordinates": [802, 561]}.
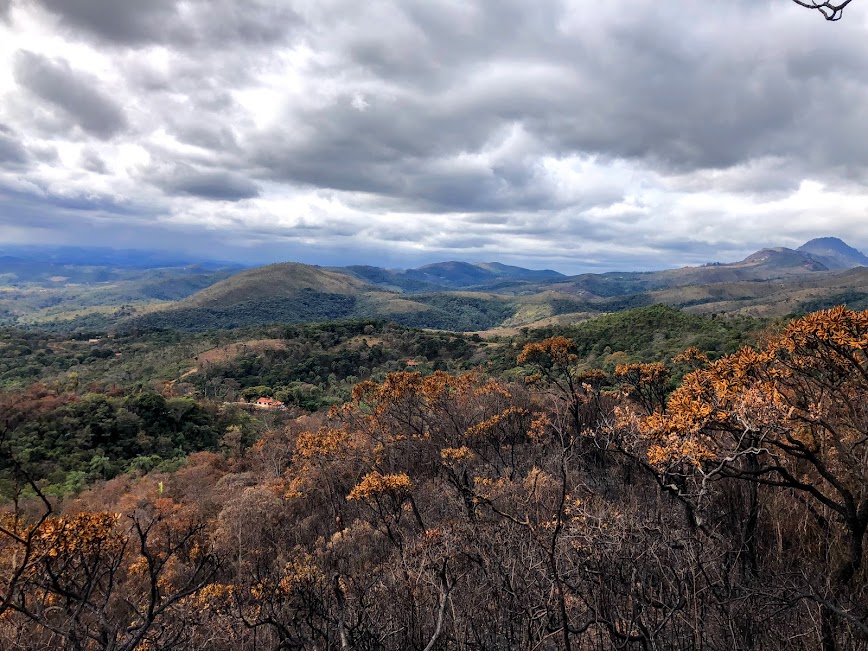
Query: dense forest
{"type": "Point", "coordinates": [643, 480]}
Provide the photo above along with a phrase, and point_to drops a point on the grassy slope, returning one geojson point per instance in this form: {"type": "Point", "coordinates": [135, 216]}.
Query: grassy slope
{"type": "Point", "coordinates": [281, 280]}
{"type": "Point", "coordinates": [767, 284]}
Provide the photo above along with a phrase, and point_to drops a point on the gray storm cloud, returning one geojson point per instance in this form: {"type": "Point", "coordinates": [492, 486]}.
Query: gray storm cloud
{"type": "Point", "coordinates": [206, 23]}
{"type": "Point", "coordinates": [76, 94]}
{"type": "Point", "coordinates": [12, 152]}
{"type": "Point", "coordinates": [220, 185]}
{"type": "Point", "coordinates": [486, 128]}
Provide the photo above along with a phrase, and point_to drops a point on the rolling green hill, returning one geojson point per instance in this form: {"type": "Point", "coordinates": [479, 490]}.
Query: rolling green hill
{"type": "Point", "coordinates": [275, 281]}
{"type": "Point", "coordinates": [298, 293]}
{"type": "Point", "coordinates": [454, 296]}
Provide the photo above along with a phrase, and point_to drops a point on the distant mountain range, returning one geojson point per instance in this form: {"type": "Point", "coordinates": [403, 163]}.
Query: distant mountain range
{"type": "Point", "coordinates": [450, 295]}
{"type": "Point", "coordinates": [93, 256]}
{"type": "Point", "coordinates": [452, 275]}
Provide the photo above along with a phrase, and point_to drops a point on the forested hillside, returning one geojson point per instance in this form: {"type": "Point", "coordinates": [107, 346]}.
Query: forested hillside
{"type": "Point", "coordinates": [648, 479]}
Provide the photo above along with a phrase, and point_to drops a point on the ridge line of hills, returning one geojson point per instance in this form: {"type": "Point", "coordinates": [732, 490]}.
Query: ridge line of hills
{"type": "Point", "coordinates": [451, 295]}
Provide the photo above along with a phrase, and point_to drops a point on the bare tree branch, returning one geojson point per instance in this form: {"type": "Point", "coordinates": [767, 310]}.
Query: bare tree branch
{"type": "Point", "coordinates": [831, 10]}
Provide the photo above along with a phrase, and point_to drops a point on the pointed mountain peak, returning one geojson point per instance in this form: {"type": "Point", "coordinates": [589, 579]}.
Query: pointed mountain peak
{"type": "Point", "coordinates": [834, 253]}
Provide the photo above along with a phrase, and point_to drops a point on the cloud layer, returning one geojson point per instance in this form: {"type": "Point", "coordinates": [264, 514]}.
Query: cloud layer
{"type": "Point", "coordinates": [615, 135]}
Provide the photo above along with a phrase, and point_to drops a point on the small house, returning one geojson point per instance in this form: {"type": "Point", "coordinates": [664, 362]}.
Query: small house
{"type": "Point", "coordinates": [270, 403]}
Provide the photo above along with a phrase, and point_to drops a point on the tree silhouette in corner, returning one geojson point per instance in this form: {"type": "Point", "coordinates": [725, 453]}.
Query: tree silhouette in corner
{"type": "Point", "coordinates": [831, 10]}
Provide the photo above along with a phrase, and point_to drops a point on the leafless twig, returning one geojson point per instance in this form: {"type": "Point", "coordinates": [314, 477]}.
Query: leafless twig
{"type": "Point", "coordinates": [830, 10]}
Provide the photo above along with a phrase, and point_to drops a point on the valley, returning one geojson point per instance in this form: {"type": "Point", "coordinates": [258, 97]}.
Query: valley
{"type": "Point", "coordinates": [454, 296]}
{"type": "Point", "coordinates": [264, 428]}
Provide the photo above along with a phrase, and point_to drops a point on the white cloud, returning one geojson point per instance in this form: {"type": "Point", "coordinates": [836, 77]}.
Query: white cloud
{"type": "Point", "coordinates": [633, 135]}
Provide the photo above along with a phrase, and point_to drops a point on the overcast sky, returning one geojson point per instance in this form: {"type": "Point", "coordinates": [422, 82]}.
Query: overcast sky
{"type": "Point", "coordinates": [574, 135]}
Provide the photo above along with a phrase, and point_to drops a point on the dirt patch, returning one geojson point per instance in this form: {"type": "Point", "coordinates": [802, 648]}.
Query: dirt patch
{"type": "Point", "coordinates": [356, 342]}
{"type": "Point", "coordinates": [558, 320]}
{"type": "Point", "coordinates": [231, 351]}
